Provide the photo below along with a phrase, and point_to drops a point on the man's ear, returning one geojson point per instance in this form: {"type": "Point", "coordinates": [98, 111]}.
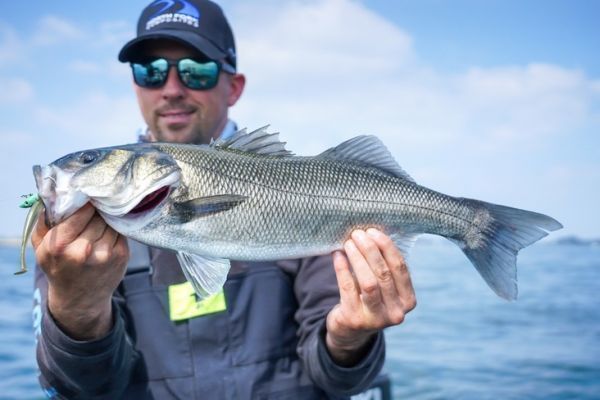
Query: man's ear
{"type": "Point", "coordinates": [237, 82]}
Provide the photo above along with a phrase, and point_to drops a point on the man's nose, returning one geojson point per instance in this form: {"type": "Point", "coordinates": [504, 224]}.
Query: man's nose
{"type": "Point", "coordinates": [173, 87]}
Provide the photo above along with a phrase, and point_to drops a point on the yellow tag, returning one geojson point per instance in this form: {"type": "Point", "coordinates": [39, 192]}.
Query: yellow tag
{"type": "Point", "coordinates": [183, 303]}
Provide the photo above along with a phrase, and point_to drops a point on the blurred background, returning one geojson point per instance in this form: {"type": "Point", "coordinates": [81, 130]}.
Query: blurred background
{"type": "Point", "coordinates": [494, 100]}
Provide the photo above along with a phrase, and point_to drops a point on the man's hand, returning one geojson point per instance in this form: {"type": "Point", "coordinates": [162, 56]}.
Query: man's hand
{"type": "Point", "coordinates": [375, 292]}
{"type": "Point", "coordinates": [84, 260]}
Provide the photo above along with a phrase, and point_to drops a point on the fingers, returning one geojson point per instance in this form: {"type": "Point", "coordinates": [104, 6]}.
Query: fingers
{"type": "Point", "coordinates": [93, 231]}
{"type": "Point", "coordinates": [381, 274]}
{"type": "Point", "coordinates": [104, 244]}
{"type": "Point", "coordinates": [377, 255]}
{"type": "Point", "coordinates": [359, 254]}
{"type": "Point", "coordinates": [349, 293]}
{"type": "Point", "coordinates": [66, 232]}
{"type": "Point", "coordinates": [397, 266]}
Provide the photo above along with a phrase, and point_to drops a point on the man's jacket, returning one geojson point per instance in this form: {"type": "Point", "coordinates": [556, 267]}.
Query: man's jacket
{"type": "Point", "coordinates": [264, 338]}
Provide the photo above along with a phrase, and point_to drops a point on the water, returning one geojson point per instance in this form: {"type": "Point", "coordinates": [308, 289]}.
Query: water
{"type": "Point", "coordinates": [461, 342]}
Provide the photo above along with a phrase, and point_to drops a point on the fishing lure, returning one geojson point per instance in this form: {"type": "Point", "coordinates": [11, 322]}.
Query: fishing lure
{"type": "Point", "coordinates": [32, 201]}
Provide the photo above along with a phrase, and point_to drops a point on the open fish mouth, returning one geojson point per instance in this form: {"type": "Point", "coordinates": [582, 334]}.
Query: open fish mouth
{"type": "Point", "coordinates": [151, 201]}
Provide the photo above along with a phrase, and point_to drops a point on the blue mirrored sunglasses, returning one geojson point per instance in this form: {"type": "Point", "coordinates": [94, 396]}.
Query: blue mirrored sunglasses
{"type": "Point", "coordinates": [197, 75]}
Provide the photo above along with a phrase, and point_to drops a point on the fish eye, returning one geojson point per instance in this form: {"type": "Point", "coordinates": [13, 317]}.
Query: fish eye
{"type": "Point", "coordinates": [89, 156]}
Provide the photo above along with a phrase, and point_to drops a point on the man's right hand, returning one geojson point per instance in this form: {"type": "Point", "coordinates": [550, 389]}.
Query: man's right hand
{"type": "Point", "coordinates": [84, 260]}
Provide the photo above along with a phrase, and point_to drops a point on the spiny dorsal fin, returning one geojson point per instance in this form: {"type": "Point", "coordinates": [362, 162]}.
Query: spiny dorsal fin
{"type": "Point", "coordinates": [258, 142]}
{"type": "Point", "coordinates": [368, 150]}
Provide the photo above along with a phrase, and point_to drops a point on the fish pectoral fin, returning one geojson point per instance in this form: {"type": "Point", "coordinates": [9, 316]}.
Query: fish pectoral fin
{"type": "Point", "coordinates": [203, 206]}
{"type": "Point", "coordinates": [206, 274]}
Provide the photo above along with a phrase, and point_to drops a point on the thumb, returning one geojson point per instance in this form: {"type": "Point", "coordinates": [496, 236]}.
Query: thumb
{"type": "Point", "coordinates": [40, 229]}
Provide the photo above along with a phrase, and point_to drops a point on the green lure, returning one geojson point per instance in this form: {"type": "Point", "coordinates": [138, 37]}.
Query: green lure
{"type": "Point", "coordinates": [32, 202]}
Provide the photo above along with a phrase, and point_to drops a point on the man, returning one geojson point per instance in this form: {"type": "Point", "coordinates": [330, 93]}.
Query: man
{"type": "Point", "coordinates": [119, 320]}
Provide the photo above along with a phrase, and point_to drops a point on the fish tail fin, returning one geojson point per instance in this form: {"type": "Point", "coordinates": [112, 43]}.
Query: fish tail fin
{"type": "Point", "coordinates": [497, 234]}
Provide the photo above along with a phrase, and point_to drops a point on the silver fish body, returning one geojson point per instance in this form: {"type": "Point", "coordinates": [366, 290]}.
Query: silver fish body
{"type": "Point", "coordinates": [249, 199]}
{"type": "Point", "coordinates": [294, 206]}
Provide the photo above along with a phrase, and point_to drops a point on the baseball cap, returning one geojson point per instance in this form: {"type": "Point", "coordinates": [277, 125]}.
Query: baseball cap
{"type": "Point", "coordinates": [200, 24]}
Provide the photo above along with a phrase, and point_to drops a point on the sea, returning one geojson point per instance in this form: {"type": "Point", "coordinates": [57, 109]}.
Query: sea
{"type": "Point", "coordinates": [460, 342]}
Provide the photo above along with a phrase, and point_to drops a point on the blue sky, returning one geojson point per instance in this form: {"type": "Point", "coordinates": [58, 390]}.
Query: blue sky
{"type": "Point", "coordinates": [494, 100]}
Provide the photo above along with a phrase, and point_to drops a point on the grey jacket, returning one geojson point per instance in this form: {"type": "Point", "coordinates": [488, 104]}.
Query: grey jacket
{"type": "Point", "coordinates": [267, 344]}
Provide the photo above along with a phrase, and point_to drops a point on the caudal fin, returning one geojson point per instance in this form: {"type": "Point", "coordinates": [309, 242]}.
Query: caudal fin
{"type": "Point", "coordinates": [493, 243]}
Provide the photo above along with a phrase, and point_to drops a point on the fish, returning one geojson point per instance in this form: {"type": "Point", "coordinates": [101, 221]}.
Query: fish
{"type": "Point", "coordinates": [248, 198]}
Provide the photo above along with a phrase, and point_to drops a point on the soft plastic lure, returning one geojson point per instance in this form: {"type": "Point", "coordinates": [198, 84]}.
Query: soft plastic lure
{"type": "Point", "coordinates": [34, 204]}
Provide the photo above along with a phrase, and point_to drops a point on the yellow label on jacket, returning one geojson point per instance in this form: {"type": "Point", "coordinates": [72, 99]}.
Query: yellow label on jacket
{"type": "Point", "coordinates": [183, 303]}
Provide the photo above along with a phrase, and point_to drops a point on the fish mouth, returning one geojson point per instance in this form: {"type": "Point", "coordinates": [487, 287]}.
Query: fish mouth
{"type": "Point", "coordinates": [150, 201]}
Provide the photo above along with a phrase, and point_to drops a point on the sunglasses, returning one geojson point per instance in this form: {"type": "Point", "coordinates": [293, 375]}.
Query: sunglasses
{"type": "Point", "coordinates": [197, 75]}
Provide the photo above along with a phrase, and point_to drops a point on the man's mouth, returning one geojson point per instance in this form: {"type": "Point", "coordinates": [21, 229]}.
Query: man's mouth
{"type": "Point", "coordinates": [176, 116]}
{"type": "Point", "coordinates": [151, 200]}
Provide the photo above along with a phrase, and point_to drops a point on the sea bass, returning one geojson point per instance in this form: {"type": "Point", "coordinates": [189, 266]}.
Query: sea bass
{"type": "Point", "coordinates": [248, 198]}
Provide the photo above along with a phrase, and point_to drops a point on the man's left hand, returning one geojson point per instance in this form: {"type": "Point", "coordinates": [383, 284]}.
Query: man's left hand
{"type": "Point", "coordinates": [375, 292]}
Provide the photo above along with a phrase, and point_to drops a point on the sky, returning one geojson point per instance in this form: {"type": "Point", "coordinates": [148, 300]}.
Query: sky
{"type": "Point", "coordinates": [493, 100]}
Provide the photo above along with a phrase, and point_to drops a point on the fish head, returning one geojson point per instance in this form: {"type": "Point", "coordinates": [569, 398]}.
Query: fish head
{"type": "Point", "coordinates": [120, 182]}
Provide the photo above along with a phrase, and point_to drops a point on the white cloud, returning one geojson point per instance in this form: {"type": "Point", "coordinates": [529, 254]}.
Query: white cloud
{"type": "Point", "coordinates": [16, 138]}
{"type": "Point", "coordinates": [323, 71]}
{"type": "Point", "coordinates": [85, 67]}
{"type": "Point", "coordinates": [115, 34]}
{"type": "Point", "coordinates": [108, 68]}
{"type": "Point", "coordinates": [53, 30]}
{"type": "Point", "coordinates": [10, 46]}
{"type": "Point", "coordinates": [326, 41]}
{"type": "Point", "coordinates": [97, 119]}
{"type": "Point", "coordinates": [15, 91]}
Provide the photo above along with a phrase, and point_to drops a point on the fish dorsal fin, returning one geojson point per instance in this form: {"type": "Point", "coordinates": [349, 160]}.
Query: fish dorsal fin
{"type": "Point", "coordinates": [368, 150]}
{"type": "Point", "coordinates": [257, 142]}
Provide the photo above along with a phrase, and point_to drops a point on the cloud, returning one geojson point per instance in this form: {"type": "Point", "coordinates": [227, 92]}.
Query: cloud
{"type": "Point", "coordinates": [53, 30]}
{"type": "Point", "coordinates": [10, 46]}
{"type": "Point", "coordinates": [15, 91]}
{"type": "Point", "coordinates": [85, 67]}
{"type": "Point", "coordinates": [97, 119]}
{"type": "Point", "coordinates": [319, 78]}
{"type": "Point", "coordinates": [16, 138]}
{"type": "Point", "coordinates": [320, 41]}
{"type": "Point", "coordinates": [115, 34]}
{"type": "Point", "coordinates": [104, 69]}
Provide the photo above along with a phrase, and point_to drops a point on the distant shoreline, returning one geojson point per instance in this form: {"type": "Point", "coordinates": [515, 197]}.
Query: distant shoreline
{"type": "Point", "coordinates": [10, 242]}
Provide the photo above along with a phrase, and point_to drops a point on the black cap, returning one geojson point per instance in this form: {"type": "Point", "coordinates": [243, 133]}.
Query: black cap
{"type": "Point", "coordinates": [200, 24]}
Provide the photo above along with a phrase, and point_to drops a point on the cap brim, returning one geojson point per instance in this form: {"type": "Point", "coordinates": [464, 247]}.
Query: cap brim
{"type": "Point", "coordinates": [132, 48]}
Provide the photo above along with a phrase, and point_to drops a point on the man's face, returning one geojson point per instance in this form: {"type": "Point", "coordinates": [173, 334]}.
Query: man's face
{"type": "Point", "coordinates": [175, 113]}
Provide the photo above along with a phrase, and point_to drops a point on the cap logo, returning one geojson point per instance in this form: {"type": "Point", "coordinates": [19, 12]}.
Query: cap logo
{"type": "Point", "coordinates": [179, 11]}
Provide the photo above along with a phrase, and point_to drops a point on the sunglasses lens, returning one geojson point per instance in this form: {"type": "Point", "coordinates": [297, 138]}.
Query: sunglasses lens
{"type": "Point", "coordinates": [152, 74]}
{"type": "Point", "coordinates": [198, 75]}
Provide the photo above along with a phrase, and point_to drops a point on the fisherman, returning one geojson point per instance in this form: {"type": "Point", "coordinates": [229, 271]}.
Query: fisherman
{"type": "Point", "coordinates": [119, 319]}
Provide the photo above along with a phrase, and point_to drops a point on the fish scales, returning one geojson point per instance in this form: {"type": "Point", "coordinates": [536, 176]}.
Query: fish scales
{"type": "Point", "coordinates": [296, 205]}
